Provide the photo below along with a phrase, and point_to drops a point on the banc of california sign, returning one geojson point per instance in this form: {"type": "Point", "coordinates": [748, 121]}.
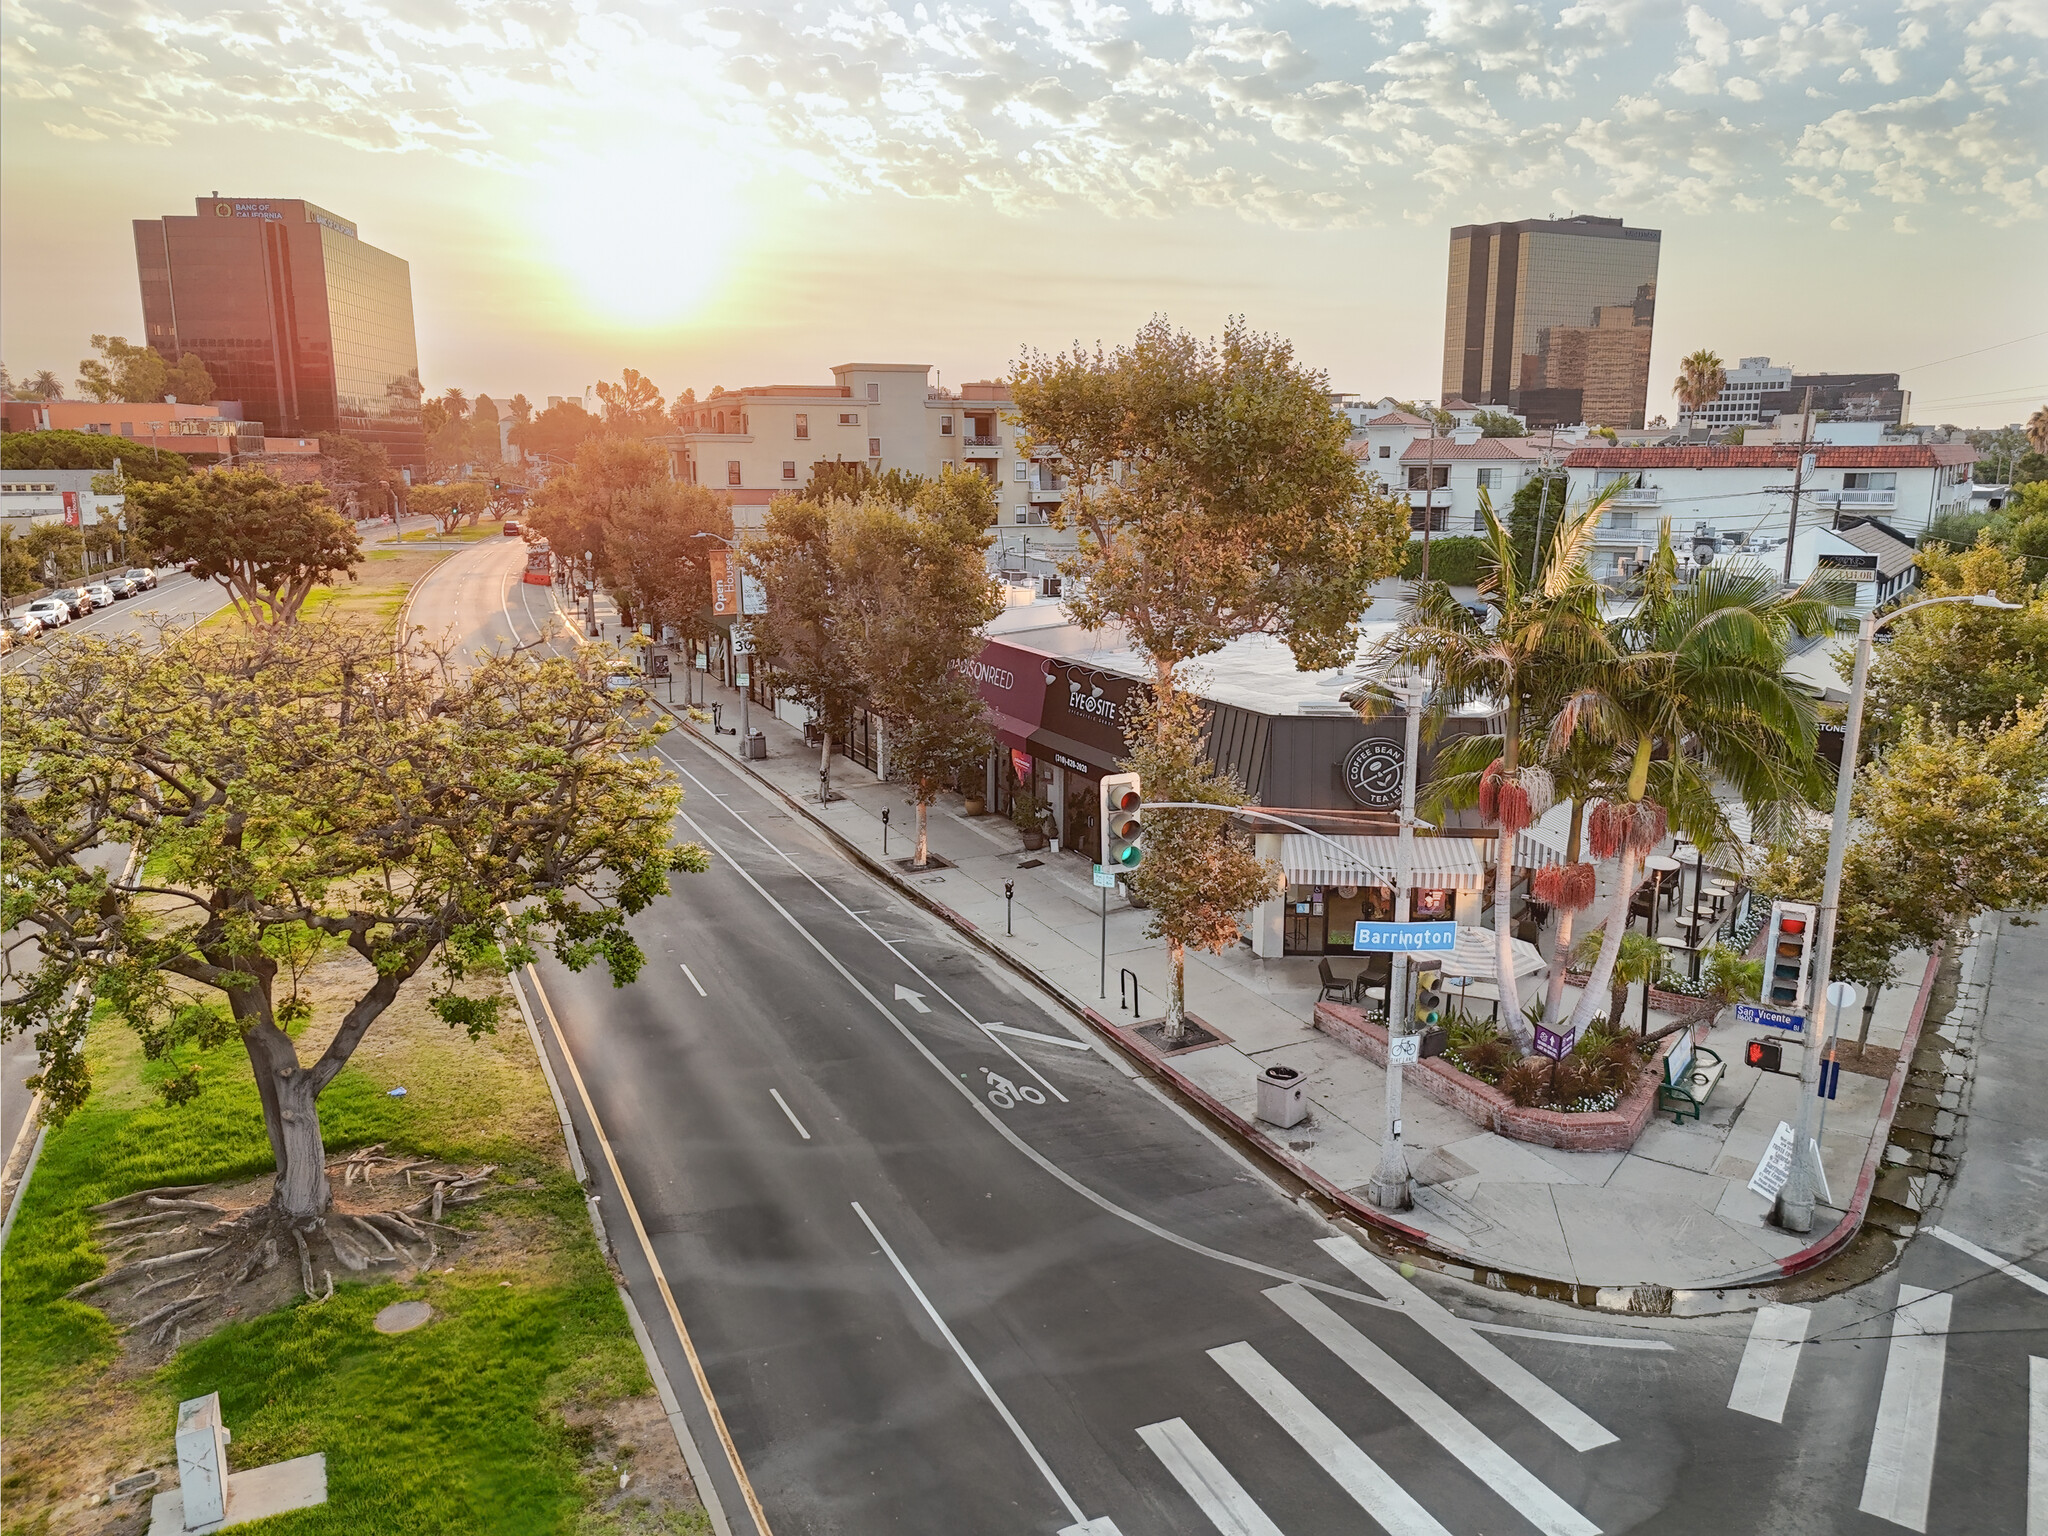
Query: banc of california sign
{"type": "Point", "coordinates": [1372, 772]}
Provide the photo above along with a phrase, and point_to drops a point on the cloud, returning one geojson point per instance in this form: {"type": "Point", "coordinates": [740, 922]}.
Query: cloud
{"type": "Point", "coordinates": [1295, 112]}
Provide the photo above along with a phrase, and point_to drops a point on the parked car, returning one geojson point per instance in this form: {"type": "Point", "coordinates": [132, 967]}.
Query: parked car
{"type": "Point", "coordinates": [77, 599]}
{"type": "Point", "coordinates": [101, 594]}
{"type": "Point", "coordinates": [24, 626]}
{"type": "Point", "coordinates": [511, 529]}
{"type": "Point", "coordinates": [50, 611]}
{"type": "Point", "coordinates": [143, 577]}
{"type": "Point", "coordinates": [121, 587]}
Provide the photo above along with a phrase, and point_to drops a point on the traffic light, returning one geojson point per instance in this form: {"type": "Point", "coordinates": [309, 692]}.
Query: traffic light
{"type": "Point", "coordinates": [1788, 955]}
{"type": "Point", "coordinates": [1429, 1000]}
{"type": "Point", "coordinates": [1766, 1054]}
{"type": "Point", "coordinates": [1121, 798]}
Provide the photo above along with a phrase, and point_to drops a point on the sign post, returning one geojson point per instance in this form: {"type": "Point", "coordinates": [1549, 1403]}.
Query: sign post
{"type": "Point", "coordinates": [1392, 1188]}
{"type": "Point", "coordinates": [1105, 881]}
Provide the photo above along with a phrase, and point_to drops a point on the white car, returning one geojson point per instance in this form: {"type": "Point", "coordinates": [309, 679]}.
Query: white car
{"type": "Point", "coordinates": [101, 594]}
{"type": "Point", "coordinates": [49, 612]}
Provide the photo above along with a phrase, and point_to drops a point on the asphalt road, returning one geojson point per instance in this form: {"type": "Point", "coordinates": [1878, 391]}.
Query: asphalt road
{"type": "Point", "coordinates": [945, 1277]}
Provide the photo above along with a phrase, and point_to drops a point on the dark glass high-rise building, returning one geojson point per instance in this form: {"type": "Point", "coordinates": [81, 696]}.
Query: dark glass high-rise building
{"type": "Point", "coordinates": [1552, 318]}
{"type": "Point", "coordinates": [310, 328]}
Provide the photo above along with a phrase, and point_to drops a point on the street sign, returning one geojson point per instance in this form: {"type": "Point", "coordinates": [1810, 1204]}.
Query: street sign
{"type": "Point", "coordinates": [1404, 1050]}
{"type": "Point", "coordinates": [742, 640]}
{"type": "Point", "coordinates": [1776, 1167]}
{"type": "Point", "coordinates": [1408, 938]}
{"type": "Point", "coordinates": [1774, 1018]}
{"type": "Point", "coordinates": [1555, 1044]}
{"type": "Point", "coordinates": [1105, 877]}
{"type": "Point", "coordinates": [1830, 1079]}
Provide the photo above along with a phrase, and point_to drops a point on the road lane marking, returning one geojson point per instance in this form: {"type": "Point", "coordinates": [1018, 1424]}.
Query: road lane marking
{"type": "Point", "coordinates": [1357, 1473]}
{"type": "Point", "coordinates": [1590, 1340]}
{"type": "Point", "coordinates": [1900, 1475]}
{"type": "Point", "coordinates": [915, 999]}
{"type": "Point", "coordinates": [675, 1315]}
{"type": "Point", "coordinates": [2037, 1446]}
{"type": "Point", "coordinates": [779, 1099]}
{"type": "Point", "coordinates": [1433, 1416]}
{"type": "Point", "coordinates": [1566, 1419]}
{"type": "Point", "coordinates": [695, 982]}
{"type": "Point", "coordinates": [1031, 1034]}
{"type": "Point", "coordinates": [1001, 1408]}
{"type": "Point", "coordinates": [1770, 1359]}
{"type": "Point", "coordinates": [887, 944]}
{"type": "Point", "coordinates": [1986, 1256]}
{"type": "Point", "coordinates": [1206, 1480]}
{"type": "Point", "coordinates": [1039, 1159]}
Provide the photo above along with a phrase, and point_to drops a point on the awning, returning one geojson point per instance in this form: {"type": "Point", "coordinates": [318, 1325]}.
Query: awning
{"type": "Point", "coordinates": [1010, 731]}
{"type": "Point", "coordinates": [1534, 849]}
{"type": "Point", "coordinates": [1440, 863]}
{"type": "Point", "coordinates": [1076, 756]}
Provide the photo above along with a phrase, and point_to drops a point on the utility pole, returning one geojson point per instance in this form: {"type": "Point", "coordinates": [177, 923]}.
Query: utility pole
{"type": "Point", "coordinates": [1392, 1188]}
{"type": "Point", "coordinates": [1429, 499]}
{"type": "Point", "coordinates": [1799, 477]}
{"type": "Point", "coordinates": [1542, 506]}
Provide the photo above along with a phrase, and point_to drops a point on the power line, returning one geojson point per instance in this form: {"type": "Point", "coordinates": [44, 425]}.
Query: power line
{"type": "Point", "coordinates": [1922, 367]}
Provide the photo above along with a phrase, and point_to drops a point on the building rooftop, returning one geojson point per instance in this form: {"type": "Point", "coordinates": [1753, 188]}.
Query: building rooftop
{"type": "Point", "coordinates": [1442, 450]}
{"type": "Point", "coordinates": [1773, 456]}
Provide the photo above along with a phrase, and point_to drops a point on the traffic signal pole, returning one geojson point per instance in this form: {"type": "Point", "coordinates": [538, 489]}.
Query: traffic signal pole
{"type": "Point", "coordinates": [1392, 1187]}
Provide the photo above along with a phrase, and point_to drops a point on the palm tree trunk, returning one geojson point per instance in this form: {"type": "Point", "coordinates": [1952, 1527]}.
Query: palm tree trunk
{"type": "Point", "coordinates": [1553, 997]}
{"type": "Point", "coordinates": [1511, 1019]}
{"type": "Point", "coordinates": [1610, 943]}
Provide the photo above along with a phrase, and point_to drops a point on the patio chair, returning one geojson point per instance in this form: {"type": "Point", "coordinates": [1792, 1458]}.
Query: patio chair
{"type": "Point", "coordinates": [1336, 988]}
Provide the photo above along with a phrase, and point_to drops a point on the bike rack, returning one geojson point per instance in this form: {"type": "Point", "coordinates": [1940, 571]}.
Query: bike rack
{"type": "Point", "coordinates": [1133, 1003]}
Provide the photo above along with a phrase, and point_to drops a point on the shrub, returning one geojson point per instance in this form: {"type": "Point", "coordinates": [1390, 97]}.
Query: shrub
{"type": "Point", "coordinates": [1458, 561]}
{"type": "Point", "coordinates": [1527, 1082]}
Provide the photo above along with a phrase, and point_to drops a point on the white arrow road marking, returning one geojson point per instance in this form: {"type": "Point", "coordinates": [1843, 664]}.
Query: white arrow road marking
{"type": "Point", "coordinates": [905, 995]}
{"type": "Point", "coordinates": [695, 982]}
{"type": "Point", "coordinates": [779, 1099]}
{"type": "Point", "coordinates": [1031, 1034]}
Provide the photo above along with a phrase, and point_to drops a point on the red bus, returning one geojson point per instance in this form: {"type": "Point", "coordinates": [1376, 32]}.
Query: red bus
{"type": "Point", "coordinates": [540, 566]}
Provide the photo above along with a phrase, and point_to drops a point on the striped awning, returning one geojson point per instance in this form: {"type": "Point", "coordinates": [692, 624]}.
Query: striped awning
{"type": "Point", "coordinates": [1441, 863]}
{"type": "Point", "coordinates": [1534, 849]}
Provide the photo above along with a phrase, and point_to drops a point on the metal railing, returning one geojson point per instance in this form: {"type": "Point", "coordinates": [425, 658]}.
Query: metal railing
{"type": "Point", "coordinates": [977, 441]}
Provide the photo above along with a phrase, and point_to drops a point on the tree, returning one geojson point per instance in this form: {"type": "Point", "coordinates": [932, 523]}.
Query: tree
{"type": "Point", "coordinates": [359, 475]}
{"type": "Point", "coordinates": [1957, 664]}
{"type": "Point", "coordinates": [633, 405]}
{"type": "Point", "coordinates": [45, 385]}
{"type": "Point", "coordinates": [1701, 378]}
{"type": "Point", "coordinates": [2037, 428]}
{"type": "Point", "coordinates": [1696, 697]}
{"type": "Point", "coordinates": [573, 510]}
{"type": "Point", "coordinates": [1536, 513]}
{"type": "Point", "coordinates": [1530, 657]}
{"type": "Point", "coordinates": [299, 787]}
{"type": "Point", "coordinates": [557, 432]}
{"type": "Point", "coordinates": [1199, 872]}
{"type": "Point", "coordinates": [1871, 924]}
{"type": "Point", "coordinates": [1499, 424]}
{"type": "Point", "coordinates": [522, 408]}
{"type": "Point", "coordinates": [124, 371]}
{"type": "Point", "coordinates": [658, 565]}
{"type": "Point", "coordinates": [42, 555]}
{"type": "Point", "coordinates": [268, 544]}
{"type": "Point", "coordinates": [915, 593]}
{"type": "Point", "coordinates": [800, 631]}
{"type": "Point", "coordinates": [454, 403]}
{"type": "Point", "coordinates": [450, 505]}
{"type": "Point", "coordinates": [188, 381]}
{"type": "Point", "coordinates": [90, 450]}
{"type": "Point", "coordinates": [850, 480]}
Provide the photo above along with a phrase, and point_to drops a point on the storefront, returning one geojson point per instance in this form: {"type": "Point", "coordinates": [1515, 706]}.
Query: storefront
{"type": "Point", "coordinates": [1080, 736]}
{"type": "Point", "coordinates": [1338, 881]}
{"type": "Point", "coordinates": [1011, 682]}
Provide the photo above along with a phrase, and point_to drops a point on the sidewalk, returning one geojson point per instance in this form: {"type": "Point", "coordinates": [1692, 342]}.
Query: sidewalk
{"type": "Point", "coordinates": [1674, 1211]}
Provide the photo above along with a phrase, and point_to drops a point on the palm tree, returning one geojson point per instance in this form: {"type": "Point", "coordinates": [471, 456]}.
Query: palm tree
{"type": "Point", "coordinates": [1701, 377]}
{"type": "Point", "coordinates": [45, 385]}
{"type": "Point", "coordinates": [455, 402]}
{"type": "Point", "coordinates": [2037, 428]}
{"type": "Point", "coordinates": [1697, 694]}
{"type": "Point", "coordinates": [1525, 658]}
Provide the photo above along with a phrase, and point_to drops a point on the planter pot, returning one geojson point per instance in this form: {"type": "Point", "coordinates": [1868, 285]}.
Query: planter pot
{"type": "Point", "coordinates": [974, 806]}
{"type": "Point", "coordinates": [1034, 839]}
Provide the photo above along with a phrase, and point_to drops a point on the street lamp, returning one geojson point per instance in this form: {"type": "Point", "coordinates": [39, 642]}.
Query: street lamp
{"type": "Point", "coordinates": [1795, 1200]}
{"type": "Point", "coordinates": [746, 729]}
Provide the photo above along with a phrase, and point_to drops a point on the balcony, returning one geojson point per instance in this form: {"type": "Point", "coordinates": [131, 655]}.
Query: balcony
{"type": "Point", "coordinates": [1048, 495]}
{"type": "Point", "coordinates": [981, 447]}
{"type": "Point", "coordinates": [1886, 497]}
{"type": "Point", "coordinates": [1635, 496]}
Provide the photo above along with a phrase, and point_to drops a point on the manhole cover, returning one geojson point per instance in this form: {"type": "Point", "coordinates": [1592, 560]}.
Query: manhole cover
{"type": "Point", "coordinates": [403, 1316]}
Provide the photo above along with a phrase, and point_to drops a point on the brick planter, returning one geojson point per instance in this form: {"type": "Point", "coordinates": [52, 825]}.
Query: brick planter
{"type": "Point", "coordinates": [1612, 1130]}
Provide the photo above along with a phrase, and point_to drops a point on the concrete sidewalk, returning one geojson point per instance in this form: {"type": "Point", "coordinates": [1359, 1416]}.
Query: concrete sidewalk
{"type": "Point", "coordinates": [1674, 1210]}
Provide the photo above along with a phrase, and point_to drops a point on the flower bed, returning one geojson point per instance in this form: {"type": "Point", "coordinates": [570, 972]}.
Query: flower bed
{"type": "Point", "coordinates": [1609, 1130]}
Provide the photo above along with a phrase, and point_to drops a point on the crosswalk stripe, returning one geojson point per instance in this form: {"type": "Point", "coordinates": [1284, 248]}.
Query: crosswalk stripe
{"type": "Point", "coordinates": [1900, 1474]}
{"type": "Point", "coordinates": [2037, 1446]}
{"type": "Point", "coordinates": [1357, 1473]}
{"type": "Point", "coordinates": [1577, 1428]}
{"type": "Point", "coordinates": [1206, 1480]}
{"type": "Point", "coordinates": [1770, 1359]}
{"type": "Point", "coordinates": [1435, 1417]}
{"type": "Point", "coordinates": [1986, 1256]}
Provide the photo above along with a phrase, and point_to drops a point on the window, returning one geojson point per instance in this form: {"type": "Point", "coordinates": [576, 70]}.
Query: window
{"type": "Point", "coordinates": [849, 418]}
{"type": "Point", "coordinates": [732, 471]}
{"type": "Point", "coordinates": [874, 393]}
{"type": "Point", "coordinates": [1420, 479]}
{"type": "Point", "coordinates": [803, 425]}
{"type": "Point", "coordinates": [1023, 514]}
{"type": "Point", "coordinates": [1023, 472]}
{"type": "Point", "coordinates": [874, 447]}
{"type": "Point", "coordinates": [1869, 481]}
{"type": "Point", "coordinates": [1489, 479]}
{"type": "Point", "coordinates": [945, 426]}
{"type": "Point", "coordinates": [1386, 452]}
{"type": "Point", "coordinates": [789, 469]}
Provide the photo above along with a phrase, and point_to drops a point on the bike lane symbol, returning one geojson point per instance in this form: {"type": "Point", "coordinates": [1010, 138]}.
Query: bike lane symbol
{"type": "Point", "coordinates": [1004, 1094]}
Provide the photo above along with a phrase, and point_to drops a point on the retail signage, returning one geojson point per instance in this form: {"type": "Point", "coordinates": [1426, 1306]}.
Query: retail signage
{"type": "Point", "coordinates": [71, 515]}
{"type": "Point", "coordinates": [1020, 764]}
{"type": "Point", "coordinates": [1407, 938]}
{"type": "Point", "coordinates": [1087, 706]}
{"type": "Point", "coordinates": [1774, 1018]}
{"type": "Point", "coordinates": [1556, 1044]}
{"type": "Point", "coordinates": [725, 592]}
{"type": "Point", "coordinates": [1071, 764]}
{"type": "Point", "coordinates": [1372, 772]}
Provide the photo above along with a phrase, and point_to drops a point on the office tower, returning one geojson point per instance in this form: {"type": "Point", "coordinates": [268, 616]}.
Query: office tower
{"type": "Point", "coordinates": [1552, 318]}
{"type": "Point", "coordinates": [293, 314]}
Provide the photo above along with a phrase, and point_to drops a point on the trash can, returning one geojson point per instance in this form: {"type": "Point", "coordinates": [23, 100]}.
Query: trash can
{"type": "Point", "coordinates": [1283, 1097]}
{"type": "Point", "coordinates": [757, 745]}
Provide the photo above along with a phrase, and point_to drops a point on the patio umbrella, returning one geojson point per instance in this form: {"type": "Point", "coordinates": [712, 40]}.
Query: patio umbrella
{"type": "Point", "coordinates": [1478, 954]}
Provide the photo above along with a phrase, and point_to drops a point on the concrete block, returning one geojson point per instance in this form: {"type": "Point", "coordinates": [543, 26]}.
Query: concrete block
{"type": "Point", "coordinates": [256, 1494]}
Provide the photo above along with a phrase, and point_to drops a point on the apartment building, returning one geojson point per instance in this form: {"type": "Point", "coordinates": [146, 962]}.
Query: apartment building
{"type": "Point", "coordinates": [1744, 493]}
{"type": "Point", "coordinates": [757, 443]}
{"type": "Point", "coordinates": [1740, 403]}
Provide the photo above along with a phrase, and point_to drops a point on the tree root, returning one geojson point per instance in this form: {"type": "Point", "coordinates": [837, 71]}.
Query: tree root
{"type": "Point", "coordinates": [169, 1192]}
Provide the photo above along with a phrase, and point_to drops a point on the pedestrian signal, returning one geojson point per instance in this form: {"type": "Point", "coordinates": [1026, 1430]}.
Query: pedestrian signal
{"type": "Point", "coordinates": [1768, 1055]}
{"type": "Point", "coordinates": [1123, 828]}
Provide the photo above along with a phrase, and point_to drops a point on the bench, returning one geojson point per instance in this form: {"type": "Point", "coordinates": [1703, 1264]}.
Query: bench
{"type": "Point", "coordinates": [1690, 1078]}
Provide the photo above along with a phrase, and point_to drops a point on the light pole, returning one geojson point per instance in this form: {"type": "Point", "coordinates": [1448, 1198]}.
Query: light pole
{"type": "Point", "coordinates": [1391, 1188]}
{"type": "Point", "coordinates": [739, 582]}
{"type": "Point", "coordinates": [1795, 1201]}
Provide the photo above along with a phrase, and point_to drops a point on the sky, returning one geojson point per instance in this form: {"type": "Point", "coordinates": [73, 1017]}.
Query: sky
{"type": "Point", "coordinates": [744, 195]}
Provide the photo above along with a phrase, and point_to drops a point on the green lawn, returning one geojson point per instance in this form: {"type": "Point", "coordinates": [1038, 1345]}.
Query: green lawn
{"type": "Point", "coordinates": [486, 530]}
{"type": "Point", "coordinates": [456, 1427]}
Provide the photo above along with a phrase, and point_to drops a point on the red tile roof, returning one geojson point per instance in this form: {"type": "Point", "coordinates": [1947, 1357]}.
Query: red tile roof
{"type": "Point", "coordinates": [1396, 419]}
{"type": "Point", "coordinates": [1774, 456]}
{"type": "Point", "coordinates": [1418, 452]}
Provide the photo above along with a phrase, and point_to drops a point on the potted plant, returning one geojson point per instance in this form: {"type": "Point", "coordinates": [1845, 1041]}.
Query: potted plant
{"type": "Point", "coordinates": [1025, 811]}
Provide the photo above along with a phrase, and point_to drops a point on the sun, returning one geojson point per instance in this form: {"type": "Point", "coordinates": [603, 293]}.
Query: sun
{"type": "Point", "coordinates": [640, 242]}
